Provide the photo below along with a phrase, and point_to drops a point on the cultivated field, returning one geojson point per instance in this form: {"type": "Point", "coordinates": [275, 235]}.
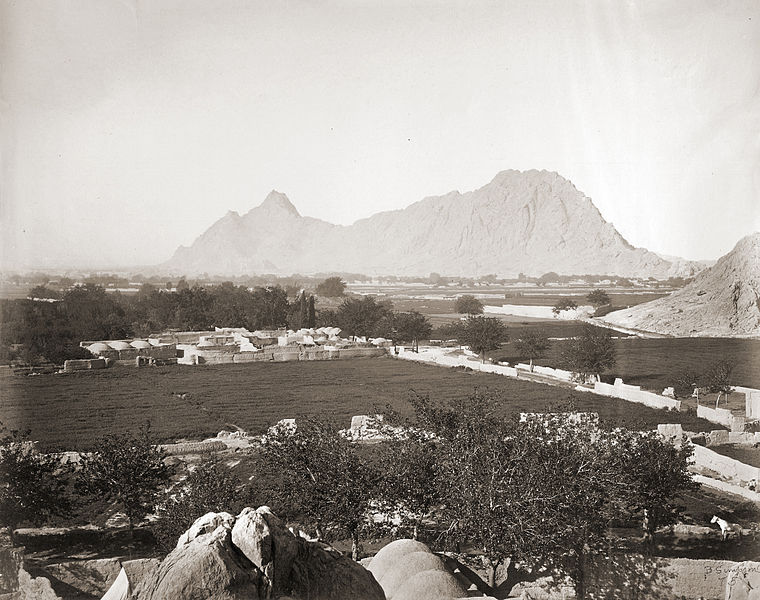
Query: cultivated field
{"type": "Point", "coordinates": [69, 411]}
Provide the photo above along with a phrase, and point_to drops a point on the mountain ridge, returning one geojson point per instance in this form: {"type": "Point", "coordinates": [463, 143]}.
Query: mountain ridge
{"type": "Point", "coordinates": [527, 222]}
{"type": "Point", "coordinates": [722, 301]}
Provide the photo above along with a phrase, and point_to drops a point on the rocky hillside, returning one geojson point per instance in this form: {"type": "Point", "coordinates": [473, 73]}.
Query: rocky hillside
{"type": "Point", "coordinates": [530, 222]}
{"type": "Point", "coordinates": [722, 301]}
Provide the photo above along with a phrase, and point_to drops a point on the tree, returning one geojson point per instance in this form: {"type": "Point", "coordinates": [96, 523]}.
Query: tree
{"type": "Point", "coordinates": [590, 353]}
{"type": "Point", "coordinates": [409, 464]}
{"type": "Point", "coordinates": [657, 473]}
{"type": "Point", "coordinates": [482, 334]}
{"type": "Point", "coordinates": [580, 476]}
{"type": "Point", "coordinates": [211, 487]}
{"type": "Point", "coordinates": [361, 316]}
{"type": "Point", "coordinates": [719, 379]}
{"type": "Point", "coordinates": [489, 499]}
{"type": "Point", "coordinates": [311, 314]}
{"type": "Point", "coordinates": [32, 485]}
{"type": "Point", "coordinates": [598, 298]}
{"type": "Point", "coordinates": [332, 287]}
{"type": "Point", "coordinates": [489, 493]}
{"type": "Point", "coordinates": [563, 304]}
{"type": "Point", "coordinates": [550, 277]}
{"type": "Point", "coordinates": [412, 327]}
{"type": "Point", "coordinates": [468, 305]}
{"type": "Point", "coordinates": [317, 474]}
{"type": "Point", "coordinates": [128, 469]}
{"type": "Point", "coordinates": [533, 344]}
{"type": "Point", "coordinates": [41, 291]}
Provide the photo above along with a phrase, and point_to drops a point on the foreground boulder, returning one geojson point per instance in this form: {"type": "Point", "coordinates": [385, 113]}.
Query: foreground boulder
{"type": "Point", "coordinates": [251, 557]}
{"type": "Point", "coordinates": [207, 567]}
{"type": "Point", "coordinates": [297, 567]}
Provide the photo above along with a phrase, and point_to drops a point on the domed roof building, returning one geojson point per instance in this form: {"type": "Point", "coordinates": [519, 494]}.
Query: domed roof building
{"type": "Point", "coordinates": [99, 348]}
{"type": "Point", "coordinates": [119, 345]}
{"type": "Point", "coordinates": [140, 344]}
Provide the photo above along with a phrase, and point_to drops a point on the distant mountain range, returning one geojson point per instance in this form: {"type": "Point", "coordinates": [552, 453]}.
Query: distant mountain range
{"type": "Point", "coordinates": [722, 301]}
{"type": "Point", "coordinates": [528, 222]}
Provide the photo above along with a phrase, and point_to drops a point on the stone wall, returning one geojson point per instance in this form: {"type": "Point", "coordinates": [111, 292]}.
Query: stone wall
{"type": "Point", "coordinates": [633, 576]}
{"type": "Point", "coordinates": [634, 393]}
{"type": "Point", "coordinates": [752, 401]}
{"type": "Point", "coordinates": [547, 371]}
{"type": "Point", "coordinates": [84, 364]}
{"type": "Point", "coordinates": [728, 468]}
{"type": "Point", "coordinates": [722, 416]}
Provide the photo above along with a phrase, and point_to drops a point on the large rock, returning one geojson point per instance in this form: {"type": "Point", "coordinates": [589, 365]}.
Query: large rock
{"type": "Point", "coordinates": [743, 581]}
{"type": "Point", "coordinates": [251, 557]}
{"type": "Point", "coordinates": [33, 588]}
{"type": "Point", "coordinates": [268, 544]}
{"type": "Point", "coordinates": [322, 573]}
{"type": "Point", "coordinates": [204, 567]}
{"type": "Point", "coordinates": [206, 524]}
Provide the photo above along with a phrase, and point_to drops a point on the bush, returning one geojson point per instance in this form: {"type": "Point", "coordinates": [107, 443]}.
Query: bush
{"type": "Point", "coordinates": [211, 487]}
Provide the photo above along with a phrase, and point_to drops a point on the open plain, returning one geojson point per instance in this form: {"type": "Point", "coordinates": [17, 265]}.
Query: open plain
{"type": "Point", "coordinates": [70, 411]}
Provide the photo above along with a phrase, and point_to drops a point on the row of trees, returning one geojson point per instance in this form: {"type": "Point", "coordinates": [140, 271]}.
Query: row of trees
{"type": "Point", "coordinates": [544, 491]}
{"type": "Point", "coordinates": [32, 330]}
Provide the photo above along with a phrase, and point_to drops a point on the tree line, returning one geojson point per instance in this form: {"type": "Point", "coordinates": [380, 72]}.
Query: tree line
{"type": "Point", "coordinates": [34, 330]}
{"type": "Point", "coordinates": [542, 492]}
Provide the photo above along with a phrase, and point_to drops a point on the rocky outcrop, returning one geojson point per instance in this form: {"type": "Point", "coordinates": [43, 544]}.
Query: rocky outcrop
{"type": "Point", "coordinates": [33, 588]}
{"type": "Point", "coordinates": [531, 222]}
{"type": "Point", "coordinates": [269, 545]}
{"type": "Point", "coordinates": [722, 301]}
{"type": "Point", "coordinates": [255, 556]}
{"type": "Point", "coordinates": [206, 567]}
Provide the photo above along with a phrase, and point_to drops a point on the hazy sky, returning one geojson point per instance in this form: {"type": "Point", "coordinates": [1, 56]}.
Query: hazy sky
{"type": "Point", "coordinates": [129, 127]}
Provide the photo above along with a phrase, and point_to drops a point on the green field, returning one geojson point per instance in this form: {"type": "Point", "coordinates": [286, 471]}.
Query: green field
{"type": "Point", "coordinates": [655, 363]}
{"type": "Point", "coordinates": [69, 411]}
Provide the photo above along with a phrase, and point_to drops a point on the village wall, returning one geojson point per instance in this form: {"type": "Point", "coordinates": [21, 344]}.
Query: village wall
{"type": "Point", "coordinates": [634, 393]}
{"type": "Point", "coordinates": [230, 355]}
{"type": "Point", "coordinates": [722, 416]}
{"type": "Point", "coordinates": [633, 576]}
{"type": "Point", "coordinates": [727, 467]}
{"type": "Point", "coordinates": [752, 401]}
{"type": "Point", "coordinates": [547, 371]}
{"type": "Point", "coordinates": [84, 364]}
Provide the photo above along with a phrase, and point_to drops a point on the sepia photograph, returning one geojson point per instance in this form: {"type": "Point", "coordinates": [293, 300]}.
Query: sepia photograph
{"type": "Point", "coordinates": [379, 300]}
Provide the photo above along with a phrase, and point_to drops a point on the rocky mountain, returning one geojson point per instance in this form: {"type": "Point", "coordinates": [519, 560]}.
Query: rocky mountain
{"type": "Point", "coordinates": [722, 301]}
{"type": "Point", "coordinates": [530, 222]}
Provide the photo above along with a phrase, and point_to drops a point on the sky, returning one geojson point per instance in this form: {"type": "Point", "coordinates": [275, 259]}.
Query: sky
{"type": "Point", "coordinates": [129, 126]}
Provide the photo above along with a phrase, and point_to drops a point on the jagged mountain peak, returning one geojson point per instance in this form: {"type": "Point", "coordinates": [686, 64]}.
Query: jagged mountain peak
{"type": "Point", "coordinates": [521, 221]}
{"type": "Point", "coordinates": [278, 201]}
